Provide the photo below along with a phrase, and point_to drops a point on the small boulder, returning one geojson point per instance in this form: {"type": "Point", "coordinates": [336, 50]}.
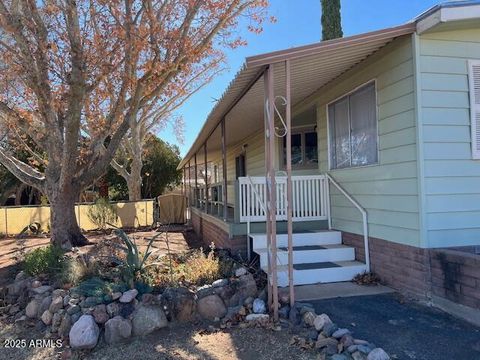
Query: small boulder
{"type": "Point", "coordinates": [284, 312]}
{"type": "Point", "coordinates": [309, 318]}
{"type": "Point", "coordinates": [378, 354]}
{"type": "Point", "coordinates": [36, 284]}
{"type": "Point", "coordinates": [320, 321]}
{"type": "Point", "coordinates": [44, 305]}
{"type": "Point", "coordinates": [321, 343]}
{"type": "Point", "coordinates": [259, 306]}
{"type": "Point", "coordinates": [220, 283]}
{"type": "Point", "coordinates": [65, 326]}
{"type": "Point", "coordinates": [84, 333]}
{"type": "Point", "coordinates": [42, 289]}
{"type": "Point", "coordinates": [329, 329]}
{"type": "Point", "coordinates": [147, 318]}
{"type": "Point", "coordinates": [57, 320]}
{"type": "Point", "coordinates": [117, 330]}
{"type": "Point", "coordinates": [32, 309]}
{"type": "Point", "coordinates": [357, 355]}
{"type": "Point", "coordinates": [100, 314]}
{"type": "Point", "coordinates": [116, 295]}
{"type": "Point", "coordinates": [56, 304]}
{"type": "Point", "coordinates": [128, 296]}
{"type": "Point", "coordinates": [257, 317]}
{"type": "Point", "coordinates": [73, 309]}
{"type": "Point", "coordinates": [47, 317]}
{"type": "Point", "coordinates": [240, 271]}
{"type": "Point", "coordinates": [113, 309]}
{"type": "Point", "coordinates": [337, 334]}
{"type": "Point", "coordinates": [211, 307]}
{"type": "Point", "coordinates": [178, 303]}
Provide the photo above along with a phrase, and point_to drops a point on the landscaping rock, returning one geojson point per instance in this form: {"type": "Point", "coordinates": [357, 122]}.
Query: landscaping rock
{"type": "Point", "coordinates": [47, 317]}
{"type": "Point", "coordinates": [312, 335]}
{"type": "Point", "coordinates": [84, 333]}
{"type": "Point", "coordinates": [329, 329]}
{"type": "Point", "coordinates": [100, 314]}
{"type": "Point", "coordinates": [44, 305]}
{"type": "Point", "coordinates": [259, 306]}
{"type": "Point", "coordinates": [65, 326]}
{"type": "Point", "coordinates": [320, 321]}
{"type": "Point", "coordinates": [127, 309]}
{"type": "Point", "coordinates": [147, 318]}
{"type": "Point", "coordinates": [365, 349]}
{"type": "Point", "coordinates": [36, 284]}
{"type": "Point", "coordinates": [240, 272]}
{"type": "Point", "coordinates": [245, 286]}
{"type": "Point", "coordinates": [347, 341]}
{"type": "Point", "coordinates": [257, 317]}
{"type": "Point", "coordinates": [90, 302]}
{"type": "Point", "coordinates": [116, 295]}
{"type": "Point", "coordinates": [128, 296]}
{"type": "Point", "coordinates": [73, 309]}
{"type": "Point", "coordinates": [59, 292]}
{"type": "Point", "coordinates": [32, 309]}
{"type": "Point", "coordinates": [339, 357]}
{"type": "Point", "coordinates": [117, 330]}
{"type": "Point", "coordinates": [378, 354]}
{"type": "Point", "coordinates": [56, 304]}
{"type": "Point", "coordinates": [231, 313]}
{"type": "Point", "coordinates": [57, 320]}
{"type": "Point", "coordinates": [66, 300]}
{"type": "Point", "coordinates": [358, 356]}
{"type": "Point", "coordinates": [42, 289]}
{"type": "Point", "coordinates": [179, 303]}
{"type": "Point", "coordinates": [309, 318]}
{"type": "Point", "coordinates": [329, 343]}
{"type": "Point", "coordinates": [220, 283]}
{"type": "Point", "coordinates": [337, 334]}
{"type": "Point", "coordinates": [284, 312]}
{"type": "Point", "coordinates": [75, 317]}
{"type": "Point", "coordinates": [20, 276]}
{"type": "Point", "coordinates": [211, 307]}
{"type": "Point", "coordinates": [113, 309]}
{"type": "Point", "coordinates": [148, 298]}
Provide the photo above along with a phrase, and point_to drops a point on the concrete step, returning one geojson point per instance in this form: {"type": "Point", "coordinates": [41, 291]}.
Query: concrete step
{"type": "Point", "coordinates": [320, 272]}
{"type": "Point", "coordinates": [320, 237]}
{"type": "Point", "coordinates": [311, 254]}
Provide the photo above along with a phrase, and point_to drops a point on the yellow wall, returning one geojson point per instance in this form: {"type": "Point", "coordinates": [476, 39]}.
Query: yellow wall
{"type": "Point", "coordinates": [130, 214]}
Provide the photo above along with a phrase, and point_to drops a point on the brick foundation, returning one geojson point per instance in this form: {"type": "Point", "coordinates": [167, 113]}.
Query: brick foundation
{"type": "Point", "coordinates": [447, 273]}
{"type": "Point", "coordinates": [209, 232]}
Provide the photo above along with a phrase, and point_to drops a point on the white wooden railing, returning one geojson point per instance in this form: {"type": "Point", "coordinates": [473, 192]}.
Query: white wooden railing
{"type": "Point", "coordinates": [310, 198]}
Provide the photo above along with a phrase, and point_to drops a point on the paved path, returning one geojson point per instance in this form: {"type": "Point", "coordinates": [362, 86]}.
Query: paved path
{"type": "Point", "coordinates": [409, 331]}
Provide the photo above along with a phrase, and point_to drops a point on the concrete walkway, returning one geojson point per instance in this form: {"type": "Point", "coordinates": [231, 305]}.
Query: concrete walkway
{"type": "Point", "coordinates": [334, 290]}
{"type": "Point", "coordinates": [406, 330]}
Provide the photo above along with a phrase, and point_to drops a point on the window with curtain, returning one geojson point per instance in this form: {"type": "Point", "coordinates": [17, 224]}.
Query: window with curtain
{"type": "Point", "coordinates": [304, 149]}
{"type": "Point", "coordinates": [353, 129]}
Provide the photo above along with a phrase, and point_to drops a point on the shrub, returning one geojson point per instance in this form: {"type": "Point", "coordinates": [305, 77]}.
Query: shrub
{"type": "Point", "coordinates": [44, 260]}
{"type": "Point", "coordinates": [102, 213]}
{"type": "Point", "coordinates": [192, 268]}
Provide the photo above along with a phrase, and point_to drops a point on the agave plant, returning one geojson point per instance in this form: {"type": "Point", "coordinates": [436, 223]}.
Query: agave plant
{"type": "Point", "coordinates": [135, 262]}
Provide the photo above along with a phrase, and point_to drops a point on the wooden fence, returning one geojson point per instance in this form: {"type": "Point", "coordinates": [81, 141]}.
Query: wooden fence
{"type": "Point", "coordinates": [13, 219]}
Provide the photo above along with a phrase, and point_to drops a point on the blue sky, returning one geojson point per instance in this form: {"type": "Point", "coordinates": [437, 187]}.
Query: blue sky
{"type": "Point", "coordinates": [298, 23]}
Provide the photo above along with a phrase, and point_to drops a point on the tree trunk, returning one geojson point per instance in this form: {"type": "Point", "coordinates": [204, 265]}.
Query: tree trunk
{"type": "Point", "coordinates": [134, 182]}
{"type": "Point", "coordinates": [65, 230]}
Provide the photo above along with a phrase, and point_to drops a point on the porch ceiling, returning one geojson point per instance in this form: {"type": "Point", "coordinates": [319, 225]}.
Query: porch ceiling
{"type": "Point", "coordinates": [312, 67]}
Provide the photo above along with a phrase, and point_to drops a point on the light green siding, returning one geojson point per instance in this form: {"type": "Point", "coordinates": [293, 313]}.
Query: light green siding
{"type": "Point", "coordinates": [452, 178]}
{"type": "Point", "coordinates": [388, 190]}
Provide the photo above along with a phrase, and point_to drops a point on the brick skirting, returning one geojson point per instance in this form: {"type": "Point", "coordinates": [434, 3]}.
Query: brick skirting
{"type": "Point", "coordinates": [446, 273]}
{"type": "Point", "coordinates": [209, 232]}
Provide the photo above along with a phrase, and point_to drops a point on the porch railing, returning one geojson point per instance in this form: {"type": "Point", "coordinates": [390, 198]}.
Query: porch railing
{"type": "Point", "coordinates": [310, 198]}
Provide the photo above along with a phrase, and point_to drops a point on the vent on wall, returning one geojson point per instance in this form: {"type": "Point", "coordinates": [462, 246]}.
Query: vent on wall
{"type": "Point", "coordinates": [474, 83]}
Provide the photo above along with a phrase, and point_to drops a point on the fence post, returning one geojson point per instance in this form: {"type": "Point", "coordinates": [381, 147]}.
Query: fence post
{"type": "Point", "coordinates": [6, 221]}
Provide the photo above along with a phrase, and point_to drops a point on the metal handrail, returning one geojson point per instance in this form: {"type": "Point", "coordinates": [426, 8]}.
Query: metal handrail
{"type": "Point", "coordinates": [362, 211]}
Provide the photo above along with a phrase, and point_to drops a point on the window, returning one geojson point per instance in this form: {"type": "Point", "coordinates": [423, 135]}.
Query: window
{"type": "Point", "coordinates": [240, 168]}
{"type": "Point", "coordinates": [304, 149]}
{"type": "Point", "coordinates": [353, 129]}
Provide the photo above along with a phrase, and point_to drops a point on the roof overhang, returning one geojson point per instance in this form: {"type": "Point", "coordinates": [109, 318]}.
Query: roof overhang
{"type": "Point", "coordinates": [447, 15]}
{"type": "Point", "coordinates": [312, 67]}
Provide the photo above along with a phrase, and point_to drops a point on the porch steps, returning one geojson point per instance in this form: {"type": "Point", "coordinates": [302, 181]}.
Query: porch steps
{"type": "Point", "coordinates": [318, 257]}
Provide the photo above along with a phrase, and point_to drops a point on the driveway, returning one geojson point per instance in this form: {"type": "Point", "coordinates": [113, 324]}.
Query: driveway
{"type": "Point", "coordinates": [406, 330]}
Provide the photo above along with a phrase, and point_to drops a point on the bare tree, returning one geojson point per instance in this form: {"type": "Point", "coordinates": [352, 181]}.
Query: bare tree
{"type": "Point", "coordinates": [76, 73]}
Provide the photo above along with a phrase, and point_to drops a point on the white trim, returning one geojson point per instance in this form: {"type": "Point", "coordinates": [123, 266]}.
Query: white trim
{"type": "Point", "coordinates": [374, 81]}
{"type": "Point", "coordinates": [474, 108]}
{"type": "Point", "coordinates": [448, 14]}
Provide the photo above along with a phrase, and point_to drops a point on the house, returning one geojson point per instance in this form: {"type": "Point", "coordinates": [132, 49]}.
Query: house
{"type": "Point", "coordinates": [385, 159]}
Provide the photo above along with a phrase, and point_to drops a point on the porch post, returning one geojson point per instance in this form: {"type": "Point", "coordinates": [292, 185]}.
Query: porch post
{"type": "Point", "coordinates": [206, 177]}
{"type": "Point", "coordinates": [288, 116]}
{"type": "Point", "coordinates": [195, 192]}
{"type": "Point", "coordinates": [224, 171]}
{"type": "Point", "coordinates": [271, 189]}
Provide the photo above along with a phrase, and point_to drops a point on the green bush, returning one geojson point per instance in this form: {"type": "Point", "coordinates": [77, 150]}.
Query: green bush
{"type": "Point", "coordinates": [44, 260]}
{"type": "Point", "coordinates": [102, 213]}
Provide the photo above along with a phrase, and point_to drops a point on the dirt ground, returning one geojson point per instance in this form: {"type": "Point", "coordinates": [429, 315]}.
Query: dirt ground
{"type": "Point", "coordinates": [175, 342]}
{"type": "Point", "coordinates": [12, 249]}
